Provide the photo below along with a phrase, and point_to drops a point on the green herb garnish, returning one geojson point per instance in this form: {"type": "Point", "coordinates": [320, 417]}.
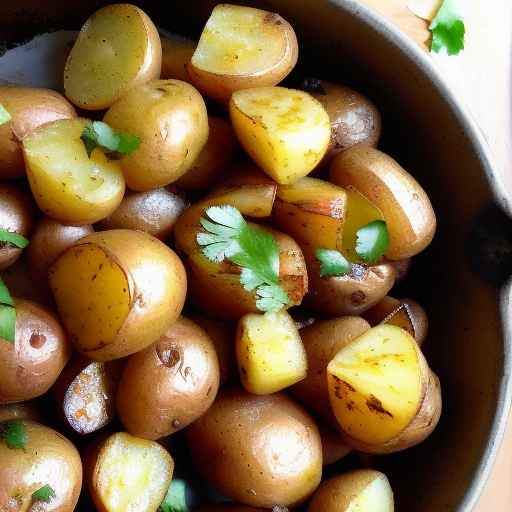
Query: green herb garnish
{"type": "Point", "coordinates": [332, 263]}
{"type": "Point", "coordinates": [101, 134]}
{"type": "Point", "coordinates": [14, 435]}
{"type": "Point", "coordinates": [5, 117]}
{"type": "Point", "coordinates": [228, 236]}
{"type": "Point", "coordinates": [180, 497]}
{"type": "Point", "coordinates": [13, 238]}
{"type": "Point", "coordinates": [448, 29]}
{"type": "Point", "coordinates": [372, 241]}
{"type": "Point", "coordinates": [7, 314]}
{"type": "Point", "coordinates": [45, 493]}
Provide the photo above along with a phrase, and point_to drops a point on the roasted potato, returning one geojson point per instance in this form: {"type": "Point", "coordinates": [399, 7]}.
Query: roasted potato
{"type": "Point", "coordinates": [285, 131]}
{"type": "Point", "coordinates": [117, 49]}
{"type": "Point", "coordinates": [333, 446]}
{"type": "Point", "coordinates": [31, 365]}
{"type": "Point", "coordinates": [67, 184]}
{"type": "Point", "coordinates": [382, 391]}
{"type": "Point", "coordinates": [170, 118]}
{"type": "Point", "coordinates": [46, 458]}
{"type": "Point", "coordinates": [406, 208]}
{"type": "Point", "coordinates": [214, 159]}
{"type": "Point", "coordinates": [154, 212]}
{"type": "Point", "coordinates": [170, 384]}
{"type": "Point", "coordinates": [16, 216]}
{"type": "Point", "coordinates": [270, 353]}
{"type": "Point", "coordinates": [362, 490]}
{"type": "Point", "coordinates": [242, 47]}
{"type": "Point", "coordinates": [229, 507]}
{"type": "Point", "coordinates": [29, 108]}
{"type": "Point", "coordinates": [21, 411]}
{"type": "Point", "coordinates": [117, 292]}
{"type": "Point", "coordinates": [127, 473]}
{"type": "Point", "coordinates": [176, 54]}
{"type": "Point", "coordinates": [258, 450]}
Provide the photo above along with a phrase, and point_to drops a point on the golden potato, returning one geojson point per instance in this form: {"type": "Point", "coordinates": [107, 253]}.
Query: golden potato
{"type": "Point", "coordinates": [117, 292]}
{"type": "Point", "coordinates": [29, 108]}
{"type": "Point", "coordinates": [176, 54]}
{"type": "Point", "coordinates": [154, 212]}
{"type": "Point", "coordinates": [258, 450]}
{"type": "Point", "coordinates": [47, 458]}
{"type": "Point", "coordinates": [31, 365]}
{"type": "Point", "coordinates": [285, 131]}
{"type": "Point", "coordinates": [68, 185]}
{"type": "Point", "coordinates": [124, 473]}
{"type": "Point", "coordinates": [117, 49]}
{"type": "Point", "coordinates": [333, 446]}
{"type": "Point", "coordinates": [170, 384]}
{"type": "Point", "coordinates": [21, 411]}
{"type": "Point", "coordinates": [242, 47]}
{"type": "Point", "coordinates": [270, 353]}
{"type": "Point", "coordinates": [406, 208]}
{"type": "Point", "coordinates": [170, 118]}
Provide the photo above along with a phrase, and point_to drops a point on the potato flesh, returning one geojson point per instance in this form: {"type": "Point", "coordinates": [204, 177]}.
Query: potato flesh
{"type": "Point", "coordinates": [375, 384]}
{"type": "Point", "coordinates": [285, 131]}
{"type": "Point", "coordinates": [270, 353]}
{"type": "Point", "coordinates": [377, 496]}
{"type": "Point", "coordinates": [93, 295]}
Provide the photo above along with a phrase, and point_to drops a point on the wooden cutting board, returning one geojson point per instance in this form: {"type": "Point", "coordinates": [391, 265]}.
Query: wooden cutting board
{"type": "Point", "coordinates": [482, 78]}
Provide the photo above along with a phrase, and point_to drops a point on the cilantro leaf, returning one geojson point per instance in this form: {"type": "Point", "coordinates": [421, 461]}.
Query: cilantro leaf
{"type": "Point", "coordinates": [5, 117]}
{"type": "Point", "coordinates": [448, 29]}
{"type": "Point", "coordinates": [101, 134]}
{"type": "Point", "coordinates": [45, 493]}
{"type": "Point", "coordinates": [180, 497]}
{"type": "Point", "coordinates": [332, 263]}
{"type": "Point", "coordinates": [372, 241]}
{"type": "Point", "coordinates": [5, 296]}
{"type": "Point", "coordinates": [272, 298]}
{"type": "Point", "coordinates": [7, 323]}
{"type": "Point", "coordinates": [13, 238]}
{"type": "Point", "coordinates": [13, 433]}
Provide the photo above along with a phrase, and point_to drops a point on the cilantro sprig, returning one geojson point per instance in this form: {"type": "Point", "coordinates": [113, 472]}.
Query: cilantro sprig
{"type": "Point", "coordinates": [7, 314]}
{"type": "Point", "coordinates": [180, 497]}
{"type": "Point", "coordinates": [98, 133]}
{"type": "Point", "coordinates": [5, 117]}
{"type": "Point", "coordinates": [14, 239]}
{"type": "Point", "coordinates": [228, 236]}
{"type": "Point", "coordinates": [448, 29]}
{"type": "Point", "coordinates": [13, 434]}
{"type": "Point", "coordinates": [332, 263]}
{"type": "Point", "coordinates": [45, 493]}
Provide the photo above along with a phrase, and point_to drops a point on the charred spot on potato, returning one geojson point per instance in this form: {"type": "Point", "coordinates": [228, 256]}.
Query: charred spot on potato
{"type": "Point", "coordinates": [375, 405]}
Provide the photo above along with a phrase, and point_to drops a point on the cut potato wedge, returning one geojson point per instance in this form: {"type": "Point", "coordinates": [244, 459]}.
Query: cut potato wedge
{"type": "Point", "coordinates": [285, 131]}
{"type": "Point", "coordinates": [242, 47]}
{"type": "Point", "coordinates": [270, 353]}
{"type": "Point", "coordinates": [68, 185]}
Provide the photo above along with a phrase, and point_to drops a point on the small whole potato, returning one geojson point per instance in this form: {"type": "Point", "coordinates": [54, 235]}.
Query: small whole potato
{"type": "Point", "coordinates": [170, 118]}
{"type": "Point", "coordinates": [170, 384]}
{"type": "Point", "coordinates": [32, 364]}
{"type": "Point", "coordinates": [47, 458]}
{"type": "Point", "coordinates": [16, 216]}
{"type": "Point", "coordinates": [258, 450]}
{"type": "Point", "coordinates": [28, 108]}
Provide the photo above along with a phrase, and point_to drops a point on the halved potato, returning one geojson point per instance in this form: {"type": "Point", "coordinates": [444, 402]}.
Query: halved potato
{"type": "Point", "coordinates": [242, 47]}
{"type": "Point", "coordinates": [270, 353]}
{"type": "Point", "coordinates": [117, 292]}
{"type": "Point", "coordinates": [117, 48]}
{"type": "Point", "coordinates": [285, 131]}
{"type": "Point", "coordinates": [68, 185]}
{"type": "Point", "coordinates": [125, 473]}
{"type": "Point", "coordinates": [176, 54]}
{"type": "Point", "coordinates": [382, 391]}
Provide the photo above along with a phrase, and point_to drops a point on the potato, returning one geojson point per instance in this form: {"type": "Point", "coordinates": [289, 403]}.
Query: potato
{"type": "Point", "coordinates": [31, 365]}
{"type": "Point", "coordinates": [229, 507]}
{"type": "Point", "coordinates": [154, 212]}
{"type": "Point", "coordinates": [170, 384]}
{"type": "Point", "coordinates": [85, 393]}
{"type": "Point", "coordinates": [117, 292]}
{"type": "Point", "coordinates": [16, 216]}
{"type": "Point", "coordinates": [29, 108]}
{"type": "Point", "coordinates": [215, 157]}
{"type": "Point", "coordinates": [403, 268]}
{"type": "Point", "coordinates": [409, 216]}
{"type": "Point", "coordinates": [382, 391]}
{"type": "Point", "coordinates": [333, 446]}
{"type": "Point", "coordinates": [117, 49]}
{"type": "Point", "coordinates": [170, 118]}
{"type": "Point", "coordinates": [354, 118]}
{"type": "Point", "coordinates": [270, 353]}
{"type": "Point", "coordinates": [20, 411]}
{"type": "Point", "coordinates": [362, 490]}
{"type": "Point", "coordinates": [68, 185]}
{"type": "Point", "coordinates": [127, 473]}
{"type": "Point", "coordinates": [176, 54]}
{"type": "Point", "coordinates": [242, 47]}
{"type": "Point", "coordinates": [322, 341]}
{"type": "Point", "coordinates": [285, 131]}
{"type": "Point", "coordinates": [258, 450]}
{"type": "Point", "coordinates": [48, 458]}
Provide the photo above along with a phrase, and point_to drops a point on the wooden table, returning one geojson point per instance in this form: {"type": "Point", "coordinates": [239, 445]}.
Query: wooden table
{"type": "Point", "coordinates": [482, 77]}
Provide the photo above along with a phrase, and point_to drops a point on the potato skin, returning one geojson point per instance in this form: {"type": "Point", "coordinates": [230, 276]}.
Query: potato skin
{"type": "Point", "coordinates": [29, 108]}
{"type": "Point", "coordinates": [176, 54]}
{"type": "Point", "coordinates": [258, 450]}
{"type": "Point", "coordinates": [228, 507]}
{"type": "Point", "coordinates": [333, 446]}
{"type": "Point", "coordinates": [20, 411]}
{"type": "Point", "coordinates": [170, 384]}
{"type": "Point", "coordinates": [31, 365]}
{"type": "Point", "coordinates": [48, 459]}
{"type": "Point", "coordinates": [171, 120]}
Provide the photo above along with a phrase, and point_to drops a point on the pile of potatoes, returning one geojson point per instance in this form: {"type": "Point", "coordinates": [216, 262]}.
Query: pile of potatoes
{"type": "Point", "coordinates": [127, 334]}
